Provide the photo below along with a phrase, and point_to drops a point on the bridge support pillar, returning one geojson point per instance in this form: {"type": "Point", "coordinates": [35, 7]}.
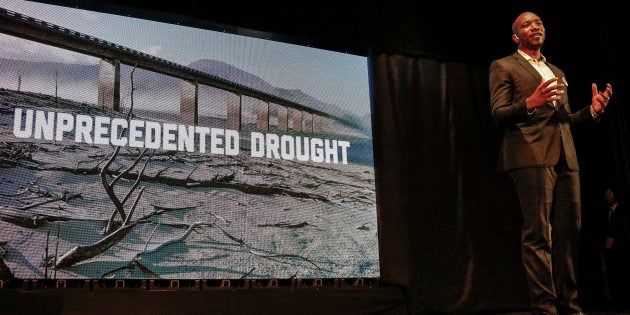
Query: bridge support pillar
{"type": "Point", "coordinates": [109, 84]}
{"type": "Point", "coordinates": [189, 103]}
{"type": "Point", "coordinates": [308, 122]}
{"type": "Point", "coordinates": [317, 124]}
{"type": "Point", "coordinates": [296, 116]}
{"type": "Point", "coordinates": [234, 112]}
{"type": "Point", "coordinates": [262, 116]}
{"type": "Point", "coordinates": [327, 125]}
{"type": "Point", "coordinates": [283, 120]}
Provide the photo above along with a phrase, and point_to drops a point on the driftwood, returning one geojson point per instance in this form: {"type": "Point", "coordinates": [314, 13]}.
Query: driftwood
{"type": "Point", "coordinates": [5, 271]}
{"type": "Point", "coordinates": [28, 219]}
{"type": "Point", "coordinates": [265, 254]}
{"type": "Point", "coordinates": [136, 262]}
{"type": "Point", "coordinates": [190, 229]}
{"type": "Point", "coordinates": [285, 225]}
{"type": "Point", "coordinates": [218, 181]}
{"type": "Point", "coordinates": [81, 253]}
{"type": "Point", "coordinates": [225, 181]}
{"type": "Point", "coordinates": [65, 197]}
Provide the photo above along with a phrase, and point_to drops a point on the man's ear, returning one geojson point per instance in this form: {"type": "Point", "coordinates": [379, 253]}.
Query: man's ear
{"type": "Point", "coordinates": [515, 38]}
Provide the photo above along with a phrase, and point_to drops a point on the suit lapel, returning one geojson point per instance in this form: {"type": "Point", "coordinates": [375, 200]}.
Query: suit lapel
{"type": "Point", "coordinates": [527, 66]}
{"type": "Point", "coordinates": [521, 61]}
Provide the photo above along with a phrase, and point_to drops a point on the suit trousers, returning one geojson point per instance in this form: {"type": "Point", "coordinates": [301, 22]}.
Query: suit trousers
{"type": "Point", "coordinates": [550, 203]}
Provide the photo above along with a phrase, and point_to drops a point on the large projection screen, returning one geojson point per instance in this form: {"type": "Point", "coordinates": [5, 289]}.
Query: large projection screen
{"type": "Point", "coordinates": [137, 149]}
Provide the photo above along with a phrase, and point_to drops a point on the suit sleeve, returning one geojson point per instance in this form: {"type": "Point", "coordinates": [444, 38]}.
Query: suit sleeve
{"type": "Point", "coordinates": [506, 111]}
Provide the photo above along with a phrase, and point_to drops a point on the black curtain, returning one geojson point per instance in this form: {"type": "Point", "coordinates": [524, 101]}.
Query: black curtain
{"type": "Point", "coordinates": [449, 221]}
{"type": "Point", "coordinates": [449, 224]}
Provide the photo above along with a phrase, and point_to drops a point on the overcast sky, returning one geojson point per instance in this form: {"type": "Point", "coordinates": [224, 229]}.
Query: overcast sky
{"type": "Point", "coordinates": [332, 77]}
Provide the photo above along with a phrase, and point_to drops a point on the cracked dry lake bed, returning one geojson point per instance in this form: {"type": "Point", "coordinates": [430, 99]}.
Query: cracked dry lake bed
{"type": "Point", "coordinates": [190, 215]}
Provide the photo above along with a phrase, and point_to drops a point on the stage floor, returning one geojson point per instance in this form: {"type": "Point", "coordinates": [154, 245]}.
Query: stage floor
{"type": "Point", "coordinates": [586, 312]}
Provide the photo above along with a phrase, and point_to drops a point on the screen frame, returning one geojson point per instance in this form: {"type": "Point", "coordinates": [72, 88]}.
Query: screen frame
{"type": "Point", "coordinates": [203, 24]}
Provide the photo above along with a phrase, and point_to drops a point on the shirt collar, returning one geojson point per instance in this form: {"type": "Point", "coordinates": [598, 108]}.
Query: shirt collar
{"type": "Point", "coordinates": [530, 59]}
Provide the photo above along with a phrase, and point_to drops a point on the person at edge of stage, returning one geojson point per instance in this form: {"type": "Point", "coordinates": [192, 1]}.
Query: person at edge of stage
{"type": "Point", "coordinates": [529, 101]}
{"type": "Point", "coordinates": [616, 250]}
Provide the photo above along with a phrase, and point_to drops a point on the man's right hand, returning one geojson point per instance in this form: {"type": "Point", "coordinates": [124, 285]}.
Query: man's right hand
{"type": "Point", "coordinates": [546, 92]}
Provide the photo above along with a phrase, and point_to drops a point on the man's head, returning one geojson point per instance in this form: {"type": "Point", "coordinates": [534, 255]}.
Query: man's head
{"type": "Point", "coordinates": [610, 195]}
{"type": "Point", "coordinates": [528, 31]}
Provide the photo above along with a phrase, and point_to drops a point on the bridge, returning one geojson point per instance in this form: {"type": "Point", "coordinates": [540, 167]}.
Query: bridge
{"type": "Point", "coordinates": [303, 118]}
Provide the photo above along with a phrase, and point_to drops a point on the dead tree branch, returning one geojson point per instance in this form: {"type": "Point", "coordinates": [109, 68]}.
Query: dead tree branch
{"type": "Point", "coordinates": [262, 253]}
{"type": "Point", "coordinates": [64, 197]}
{"type": "Point", "coordinates": [80, 253]}
{"type": "Point", "coordinates": [190, 229]}
{"type": "Point", "coordinates": [109, 189]}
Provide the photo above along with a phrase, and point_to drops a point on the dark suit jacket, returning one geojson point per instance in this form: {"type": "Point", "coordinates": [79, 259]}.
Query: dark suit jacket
{"type": "Point", "coordinates": [616, 228]}
{"type": "Point", "coordinates": [531, 141]}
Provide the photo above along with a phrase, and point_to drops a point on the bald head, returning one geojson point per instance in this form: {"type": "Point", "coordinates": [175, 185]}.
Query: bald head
{"type": "Point", "coordinates": [521, 18]}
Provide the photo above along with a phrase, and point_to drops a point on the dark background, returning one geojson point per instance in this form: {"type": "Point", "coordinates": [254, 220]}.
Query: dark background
{"type": "Point", "coordinates": [583, 38]}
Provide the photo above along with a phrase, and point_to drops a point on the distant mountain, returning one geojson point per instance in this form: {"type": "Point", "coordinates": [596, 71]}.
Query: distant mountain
{"type": "Point", "coordinates": [231, 73]}
{"type": "Point", "coordinates": [44, 69]}
{"type": "Point", "coordinates": [152, 81]}
{"type": "Point", "coordinates": [234, 74]}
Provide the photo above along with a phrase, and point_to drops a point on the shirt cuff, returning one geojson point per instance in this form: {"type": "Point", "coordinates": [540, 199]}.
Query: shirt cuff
{"type": "Point", "coordinates": [593, 113]}
{"type": "Point", "coordinates": [532, 111]}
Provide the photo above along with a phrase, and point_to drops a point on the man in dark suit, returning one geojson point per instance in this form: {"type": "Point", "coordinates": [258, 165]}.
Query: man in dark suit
{"type": "Point", "coordinates": [529, 101]}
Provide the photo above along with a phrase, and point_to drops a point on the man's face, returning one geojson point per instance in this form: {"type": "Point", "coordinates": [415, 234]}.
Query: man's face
{"type": "Point", "coordinates": [609, 195]}
{"type": "Point", "coordinates": [529, 31]}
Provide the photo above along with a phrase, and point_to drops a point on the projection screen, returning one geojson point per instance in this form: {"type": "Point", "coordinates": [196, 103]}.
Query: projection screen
{"type": "Point", "coordinates": [137, 149]}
